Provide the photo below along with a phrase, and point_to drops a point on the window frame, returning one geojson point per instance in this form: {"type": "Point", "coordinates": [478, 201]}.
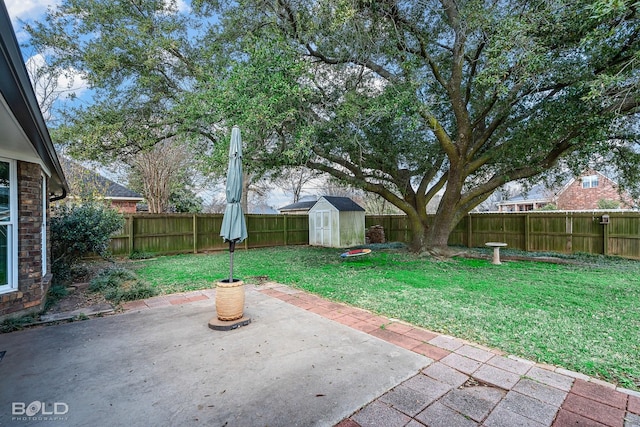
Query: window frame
{"type": "Point", "coordinates": [12, 229]}
{"type": "Point", "coordinates": [590, 181]}
{"type": "Point", "coordinates": [43, 227]}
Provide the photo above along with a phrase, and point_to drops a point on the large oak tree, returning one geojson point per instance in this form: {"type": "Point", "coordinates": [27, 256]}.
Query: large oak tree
{"type": "Point", "coordinates": [404, 99]}
{"type": "Point", "coordinates": [460, 97]}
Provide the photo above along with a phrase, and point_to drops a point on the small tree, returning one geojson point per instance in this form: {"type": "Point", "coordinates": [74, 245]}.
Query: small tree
{"type": "Point", "coordinates": [608, 204]}
{"type": "Point", "coordinates": [548, 207]}
{"type": "Point", "coordinates": [78, 230]}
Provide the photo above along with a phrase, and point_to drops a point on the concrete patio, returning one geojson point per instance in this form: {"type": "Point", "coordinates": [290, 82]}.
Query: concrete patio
{"type": "Point", "coordinates": [303, 361]}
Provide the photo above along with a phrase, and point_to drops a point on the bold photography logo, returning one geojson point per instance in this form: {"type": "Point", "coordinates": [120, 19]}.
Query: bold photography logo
{"type": "Point", "coordinates": [39, 410]}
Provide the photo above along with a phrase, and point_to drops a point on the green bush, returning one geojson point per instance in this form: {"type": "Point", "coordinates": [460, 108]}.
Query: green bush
{"type": "Point", "coordinates": [16, 323]}
{"type": "Point", "coordinates": [141, 255]}
{"type": "Point", "coordinates": [608, 204]}
{"type": "Point", "coordinates": [120, 284]}
{"type": "Point", "coordinates": [79, 230]}
{"type": "Point", "coordinates": [111, 278]}
{"type": "Point", "coordinates": [548, 207]}
{"type": "Point", "coordinates": [55, 293]}
{"type": "Point", "coordinates": [131, 292]}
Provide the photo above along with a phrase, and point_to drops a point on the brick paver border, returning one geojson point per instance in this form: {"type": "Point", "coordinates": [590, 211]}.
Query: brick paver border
{"type": "Point", "coordinates": [578, 399]}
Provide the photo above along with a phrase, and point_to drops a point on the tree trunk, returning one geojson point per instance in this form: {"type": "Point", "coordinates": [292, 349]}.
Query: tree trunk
{"type": "Point", "coordinates": [419, 231]}
{"type": "Point", "coordinates": [246, 182]}
{"type": "Point", "coordinates": [438, 235]}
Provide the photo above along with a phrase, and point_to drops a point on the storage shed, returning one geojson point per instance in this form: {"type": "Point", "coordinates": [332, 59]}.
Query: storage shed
{"type": "Point", "coordinates": [336, 222]}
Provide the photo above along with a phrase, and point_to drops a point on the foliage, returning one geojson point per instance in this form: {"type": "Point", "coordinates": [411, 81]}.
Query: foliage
{"type": "Point", "coordinates": [462, 97]}
{"type": "Point", "coordinates": [130, 292]}
{"type": "Point", "coordinates": [548, 207]}
{"type": "Point", "coordinates": [185, 200]}
{"type": "Point", "coordinates": [141, 255]}
{"type": "Point", "coordinates": [120, 284]}
{"type": "Point", "coordinates": [55, 293]}
{"type": "Point", "coordinates": [164, 175]}
{"type": "Point", "coordinates": [608, 204]}
{"type": "Point", "coordinates": [403, 99]}
{"type": "Point", "coordinates": [292, 180]}
{"type": "Point", "coordinates": [581, 315]}
{"type": "Point", "coordinates": [84, 184]}
{"type": "Point", "coordinates": [110, 278]}
{"type": "Point", "coordinates": [16, 323]}
{"type": "Point", "coordinates": [78, 230]}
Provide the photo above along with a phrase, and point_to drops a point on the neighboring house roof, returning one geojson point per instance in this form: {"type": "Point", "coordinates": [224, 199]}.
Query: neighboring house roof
{"type": "Point", "coordinates": [344, 204]}
{"type": "Point", "coordinates": [585, 173]}
{"type": "Point", "coordinates": [20, 115]}
{"type": "Point", "coordinates": [264, 209]}
{"type": "Point", "coordinates": [117, 191]}
{"type": "Point", "coordinates": [537, 193]}
{"type": "Point", "coordinates": [108, 188]}
{"type": "Point", "coordinates": [299, 206]}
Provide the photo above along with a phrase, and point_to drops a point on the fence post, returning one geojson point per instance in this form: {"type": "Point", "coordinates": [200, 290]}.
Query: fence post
{"type": "Point", "coordinates": [469, 231]}
{"type": "Point", "coordinates": [527, 224]}
{"type": "Point", "coordinates": [286, 232]}
{"type": "Point", "coordinates": [605, 239]}
{"type": "Point", "coordinates": [130, 232]}
{"type": "Point", "coordinates": [195, 233]}
{"type": "Point", "coordinates": [569, 231]}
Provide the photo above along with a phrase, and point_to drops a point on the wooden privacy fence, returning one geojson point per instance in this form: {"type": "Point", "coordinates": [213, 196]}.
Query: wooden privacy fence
{"type": "Point", "coordinates": [564, 232]}
{"type": "Point", "coordinates": [181, 233]}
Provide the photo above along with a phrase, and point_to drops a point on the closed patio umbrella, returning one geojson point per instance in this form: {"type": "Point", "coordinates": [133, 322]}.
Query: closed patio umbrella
{"type": "Point", "coordinates": [234, 227]}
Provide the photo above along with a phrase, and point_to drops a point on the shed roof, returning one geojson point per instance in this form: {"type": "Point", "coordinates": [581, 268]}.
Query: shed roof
{"type": "Point", "coordinates": [343, 204]}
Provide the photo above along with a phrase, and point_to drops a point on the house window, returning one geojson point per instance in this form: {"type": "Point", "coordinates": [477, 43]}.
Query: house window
{"type": "Point", "coordinates": [590, 181]}
{"type": "Point", "coordinates": [8, 224]}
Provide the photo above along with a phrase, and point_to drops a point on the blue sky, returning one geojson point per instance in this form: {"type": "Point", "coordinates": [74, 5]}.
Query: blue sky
{"type": "Point", "coordinates": [27, 10]}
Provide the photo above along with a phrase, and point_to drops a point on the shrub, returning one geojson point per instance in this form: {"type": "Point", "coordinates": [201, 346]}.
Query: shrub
{"type": "Point", "coordinates": [130, 292]}
{"type": "Point", "coordinates": [16, 323]}
{"type": "Point", "coordinates": [608, 204]}
{"type": "Point", "coordinates": [78, 230]}
{"type": "Point", "coordinates": [141, 255]}
{"type": "Point", "coordinates": [110, 278]}
{"type": "Point", "coordinates": [120, 284]}
{"type": "Point", "coordinates": [55, 293]}
{"type": "Point", "coordinates": [548, 207]}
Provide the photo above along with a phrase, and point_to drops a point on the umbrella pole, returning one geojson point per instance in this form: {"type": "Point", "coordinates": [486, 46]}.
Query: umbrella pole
{"type": "Point", "coordinates": [232, 248]}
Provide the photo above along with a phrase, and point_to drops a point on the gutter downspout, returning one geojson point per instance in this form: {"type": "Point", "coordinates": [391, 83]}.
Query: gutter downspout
{"type": "Point", "coordinates": [56, 198]}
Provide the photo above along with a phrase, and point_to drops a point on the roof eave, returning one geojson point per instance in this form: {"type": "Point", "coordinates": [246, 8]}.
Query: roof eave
{"type": "Point", "coordinates": [16, 88]}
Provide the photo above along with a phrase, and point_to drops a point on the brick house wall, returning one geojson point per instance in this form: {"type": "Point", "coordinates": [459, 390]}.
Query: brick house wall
{"type": "Point", "coordinates": [574, 197]}
{"type": "Point", "coordinates": [32, 287]}
{"type": "Point", "coordinates": [124, 206]}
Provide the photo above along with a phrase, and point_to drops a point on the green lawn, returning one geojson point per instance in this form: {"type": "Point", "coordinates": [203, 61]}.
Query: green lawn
{"type": "Point", "coordinates": [584, 317]}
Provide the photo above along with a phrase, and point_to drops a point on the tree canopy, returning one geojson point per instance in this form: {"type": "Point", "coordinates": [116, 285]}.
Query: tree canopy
{"type": "Point", "coordinates": [403, 99]}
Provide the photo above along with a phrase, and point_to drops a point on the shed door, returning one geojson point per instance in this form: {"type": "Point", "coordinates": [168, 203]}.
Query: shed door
{"type": "Point", "coordinates": [323, 228]}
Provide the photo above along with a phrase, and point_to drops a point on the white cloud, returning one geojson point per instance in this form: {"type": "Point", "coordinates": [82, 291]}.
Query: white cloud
{"type": "Point", "coordinates": [49, 88]}
{"type": "Point", "coordinates": [28, 9]}
{"type": "Point", "coordinates": [175, 6]}
{"type": "Point", "coordinates": [182, 6]}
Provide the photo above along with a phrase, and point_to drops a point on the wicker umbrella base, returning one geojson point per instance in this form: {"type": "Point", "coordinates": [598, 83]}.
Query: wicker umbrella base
{"type": "Point", "coordinates": [229, 299]}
